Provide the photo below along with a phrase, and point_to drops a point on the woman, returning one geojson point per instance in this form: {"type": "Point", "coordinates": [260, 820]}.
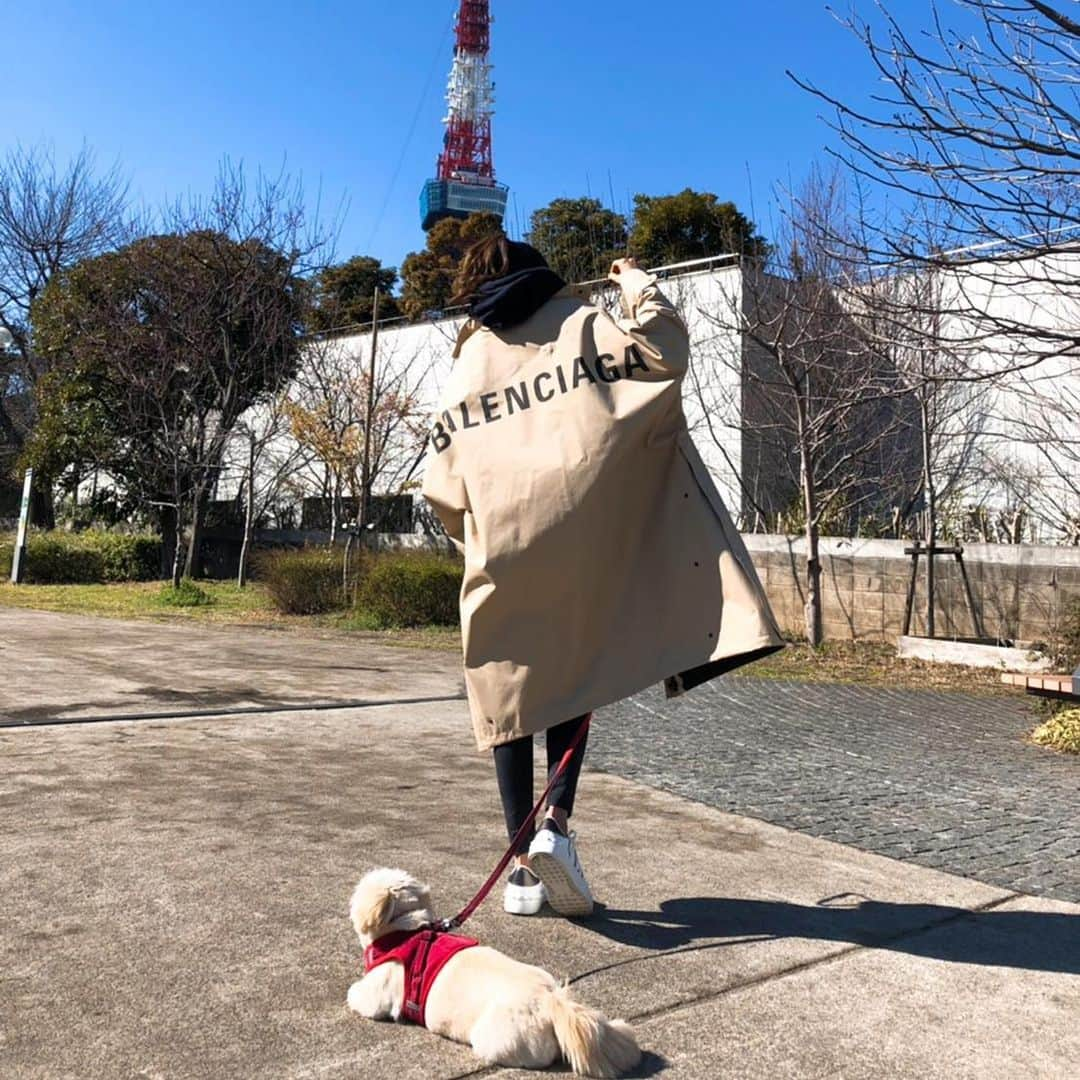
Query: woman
{"type": "Point", "coordinates": [599, 557]}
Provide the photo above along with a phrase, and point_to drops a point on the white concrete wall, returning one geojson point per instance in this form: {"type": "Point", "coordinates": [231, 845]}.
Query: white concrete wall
{"type": "Point", "coordinates": [1029, 448]}
{"type": "Point", "coordinates": [1013, 464]}
{"type": "Point", "coordinates": [711, 392]}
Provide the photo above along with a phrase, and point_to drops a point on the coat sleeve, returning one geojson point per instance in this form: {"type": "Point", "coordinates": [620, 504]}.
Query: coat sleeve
{"type": "Point", "coordinates": [444, 489]}
{"type": "Point", "coordinates": [654, 324]}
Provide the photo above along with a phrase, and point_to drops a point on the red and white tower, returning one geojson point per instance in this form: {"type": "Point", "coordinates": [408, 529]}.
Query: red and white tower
{"type": "Point", "coordinates": [465, 183]}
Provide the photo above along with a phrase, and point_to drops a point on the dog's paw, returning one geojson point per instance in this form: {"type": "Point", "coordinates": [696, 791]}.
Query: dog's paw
{"type": "Point", "coordinates": [370, 997]}
{"type": "Point", "coordinates": [356, 998]}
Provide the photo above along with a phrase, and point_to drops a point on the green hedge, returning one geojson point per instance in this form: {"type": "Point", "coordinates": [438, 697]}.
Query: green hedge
{"type": "Point", "coordinates": [411, 589]}
{"type": "Point", "coordinates": [86, 558]}
{"type": "Point", "coordinates": [304, 581]}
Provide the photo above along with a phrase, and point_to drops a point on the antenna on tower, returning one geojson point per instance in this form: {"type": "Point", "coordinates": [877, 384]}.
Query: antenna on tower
{"type": "Point", "coordinates": [465, 182]}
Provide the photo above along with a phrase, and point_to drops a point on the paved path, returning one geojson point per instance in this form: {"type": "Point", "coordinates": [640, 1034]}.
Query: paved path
{"type": "Point", "coordinates": [175, 890]}
{"type": "Point", "coordinates": [940, 779]}
{"type": "Point", "coordinates": [944, 780]}
{"type": "Point", "coordinates": [64, 667]}
{"type": "Point", "coordinates": [175, 898]}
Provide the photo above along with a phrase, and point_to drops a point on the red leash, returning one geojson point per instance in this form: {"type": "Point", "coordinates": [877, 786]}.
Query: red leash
{"type": "Point", "coordinates": [481, 896]}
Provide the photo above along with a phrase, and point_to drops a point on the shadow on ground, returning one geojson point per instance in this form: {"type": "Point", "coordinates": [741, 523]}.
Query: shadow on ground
{"type": "Point", "coordinates": [1033, 940]}
{"type": "Point", "coordinates": [152, 700]}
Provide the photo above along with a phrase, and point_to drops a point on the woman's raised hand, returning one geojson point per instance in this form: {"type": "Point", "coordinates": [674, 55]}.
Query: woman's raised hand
{"type": "Point", "coordinates": [619, 265]}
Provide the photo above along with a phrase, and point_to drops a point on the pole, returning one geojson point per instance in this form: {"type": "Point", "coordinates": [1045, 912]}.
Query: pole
{"type": "Point", "coordinates": [931, 525]}
{"type": "Point", "coordinates": [976, 621]}
{"type": "Point", "coordinates": [18, 559]}
{"type": "Point", "coordinates": [365, 483]}
{"type": "Point", "coordinates": [910, 604]}
{"type": "Point", "coordinates": [249, 514]}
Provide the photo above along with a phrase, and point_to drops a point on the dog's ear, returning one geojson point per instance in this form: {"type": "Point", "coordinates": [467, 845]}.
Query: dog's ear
{"type": "Point", "coordinates": [413, 895]}
{"type": "Point", "coordinates": [371, 908]}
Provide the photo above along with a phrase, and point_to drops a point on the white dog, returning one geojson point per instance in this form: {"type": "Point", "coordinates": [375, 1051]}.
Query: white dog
{"type": "Point", "coordinates": [511, 1014]}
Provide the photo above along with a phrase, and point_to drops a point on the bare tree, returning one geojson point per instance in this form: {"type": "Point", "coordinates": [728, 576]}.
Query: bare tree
{"type": "Point", "coordinates": [821, 409]}
{"type": "Point", "coordinates": [328, 409]}
{"type": "Point", "coordinates": [51, 217]}
{"type": "Point", "coordinates": [903, 312]}
{"type": "Point", "coordinates": [263, 465]}
{"type": "Point", "coordinates": [249, 219]}
{"type": "Point", "coordinates": [162, 346]}
{"type": "Point", "coordinates": [1033, 458]}
{"type": "Point", "coordinates": [980, 119]}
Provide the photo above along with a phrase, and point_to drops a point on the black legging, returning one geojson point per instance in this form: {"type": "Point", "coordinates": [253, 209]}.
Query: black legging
{"type": "Point", "coordinates": [514, 769]}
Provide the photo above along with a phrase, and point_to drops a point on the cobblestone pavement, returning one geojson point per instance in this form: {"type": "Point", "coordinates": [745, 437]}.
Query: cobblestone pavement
{"type": "Point", "coordinates": [940, 779]}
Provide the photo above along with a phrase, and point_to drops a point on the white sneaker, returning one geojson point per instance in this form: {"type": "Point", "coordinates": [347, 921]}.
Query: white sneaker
{"type": "Point", "coordinates": [554, 858]}
{"type": "Point", "coordinates": [524, 894]}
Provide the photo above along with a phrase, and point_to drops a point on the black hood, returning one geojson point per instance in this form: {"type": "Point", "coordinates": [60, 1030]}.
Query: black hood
{"type": "Point", "coordinates": [518, 294]}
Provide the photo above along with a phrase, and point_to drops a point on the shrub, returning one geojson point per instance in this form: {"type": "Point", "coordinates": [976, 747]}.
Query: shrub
{"type": "Point", "coordinates": [411, 589]}
{"type": "Point", "coordinates": [129, 558]}
{"type": "Point", "coordinates": [186, 594]}
{"type": "Point", "coordinates": [1061, 731]}
{"type": "Point", "coordinates": [87, 558]}
{"type": "Point", "coordinates": [305, 581]}
{"type": "Point", "coordinates": [1067, 645]}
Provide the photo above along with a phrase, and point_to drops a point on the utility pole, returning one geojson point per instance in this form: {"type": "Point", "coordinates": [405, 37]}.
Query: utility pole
{"type": "Point", "coordinates": [358, 532]}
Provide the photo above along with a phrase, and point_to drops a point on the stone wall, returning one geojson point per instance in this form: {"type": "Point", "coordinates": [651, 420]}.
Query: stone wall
{"type": "Point", "coordinates": [1020, 591]}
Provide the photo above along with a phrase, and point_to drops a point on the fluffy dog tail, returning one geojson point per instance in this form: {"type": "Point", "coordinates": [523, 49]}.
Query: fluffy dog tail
{"type": "Point", "coordinates": [594, 1045]}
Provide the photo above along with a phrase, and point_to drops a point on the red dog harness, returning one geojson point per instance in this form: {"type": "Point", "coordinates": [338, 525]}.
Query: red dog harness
{"type": "Point", "coordinates": [423, 954]}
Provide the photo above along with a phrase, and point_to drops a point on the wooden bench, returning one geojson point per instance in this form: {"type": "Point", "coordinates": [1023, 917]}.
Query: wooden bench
{"type": "Point", "coordinates": [1058, 686]}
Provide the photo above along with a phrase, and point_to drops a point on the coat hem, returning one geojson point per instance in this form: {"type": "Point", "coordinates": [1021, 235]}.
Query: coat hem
{"type": "Point", "coordinates": [677, 685]}
{"type": "Point", "coordinates": [764, 646]}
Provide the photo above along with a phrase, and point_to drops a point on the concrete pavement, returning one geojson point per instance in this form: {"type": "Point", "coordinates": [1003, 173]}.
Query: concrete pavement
{"type": "Point", "coordinates": [174, 905]}
{"type": "Point", "coordinates": [64, 667]}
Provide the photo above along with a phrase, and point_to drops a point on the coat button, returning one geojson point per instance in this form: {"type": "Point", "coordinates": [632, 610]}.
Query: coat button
{"type": "Point", "coordinates": [696, 563]}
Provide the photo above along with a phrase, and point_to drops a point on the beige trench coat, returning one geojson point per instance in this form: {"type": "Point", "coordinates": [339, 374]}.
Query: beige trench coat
{"type": "Point", "coordinates": [599, 557]}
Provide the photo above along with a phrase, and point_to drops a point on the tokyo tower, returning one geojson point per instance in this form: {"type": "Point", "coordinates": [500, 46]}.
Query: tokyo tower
{"type": "Point", "coordinates": [465, 182]}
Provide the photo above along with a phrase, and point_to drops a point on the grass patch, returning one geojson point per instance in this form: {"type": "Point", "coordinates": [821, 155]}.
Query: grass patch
{"type": "Point", "coordinates": [871, 663]}
{"type": "Point", "coordinates": [1060, 732]}
{"type": "Point", "coordinates": [229, 606]}
{"type": "Point", "coordinates": [358, 619]}
{"type": "Point", "coordinates": [130, 600]}
{"type": "Point", "coordinates": [367, 627]}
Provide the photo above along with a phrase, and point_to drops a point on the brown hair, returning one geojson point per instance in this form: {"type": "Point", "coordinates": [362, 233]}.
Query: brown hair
{"type": "Point", "coordinates": [484, 261]}
{"type": "Point", "coordinates": [489, 259]}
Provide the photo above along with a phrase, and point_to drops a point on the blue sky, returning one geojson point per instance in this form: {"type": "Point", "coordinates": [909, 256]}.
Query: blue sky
{"type": "Point", "coordinates": [605, 99]}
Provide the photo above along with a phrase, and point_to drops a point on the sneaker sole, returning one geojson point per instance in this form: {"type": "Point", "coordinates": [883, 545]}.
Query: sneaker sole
{"type": "Point", "coordinates": [562, 893]}
{"type": "Point", "coordinates": [520, 905]}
